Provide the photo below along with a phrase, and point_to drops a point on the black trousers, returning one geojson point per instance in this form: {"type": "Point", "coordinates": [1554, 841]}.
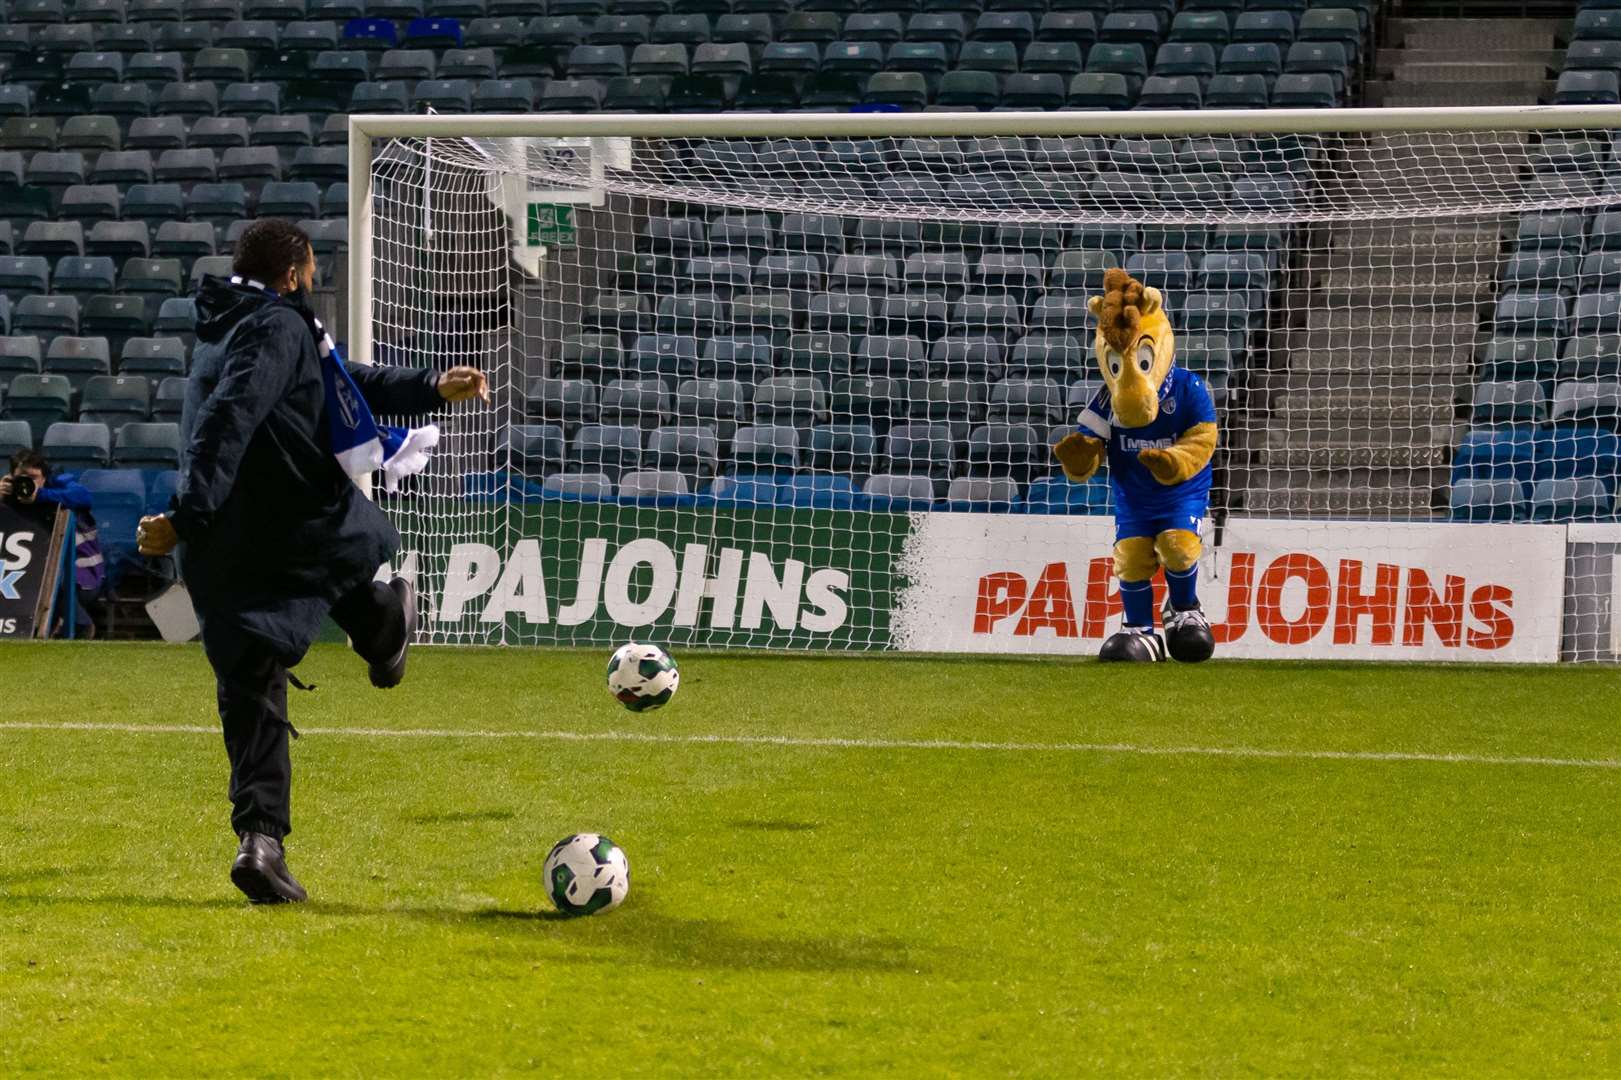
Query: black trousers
{"type": "Point", "coordinates": [253, 710]}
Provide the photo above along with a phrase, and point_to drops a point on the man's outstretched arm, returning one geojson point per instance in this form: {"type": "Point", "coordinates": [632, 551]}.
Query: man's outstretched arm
{"type": "Point", "coordinates": [404, 391]}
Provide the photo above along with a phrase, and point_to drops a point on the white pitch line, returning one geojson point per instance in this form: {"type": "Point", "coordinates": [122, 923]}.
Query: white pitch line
{"type": "Point", "coordinates": [812, 742]}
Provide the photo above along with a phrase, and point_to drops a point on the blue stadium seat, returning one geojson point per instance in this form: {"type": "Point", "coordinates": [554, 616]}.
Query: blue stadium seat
{"type": "Point", "coordinates": [1534, 271]}
{"type": "Point", "coordinates": [750, 489]}
{"type": "Point", "coordinates": [1563, 230]}
{"type": "Point", "coordinates": [1251, 58]}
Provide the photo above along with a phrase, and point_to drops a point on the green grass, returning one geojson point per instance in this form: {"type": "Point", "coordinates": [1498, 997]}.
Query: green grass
{"type": "Point", "coordinates": [810, 910]}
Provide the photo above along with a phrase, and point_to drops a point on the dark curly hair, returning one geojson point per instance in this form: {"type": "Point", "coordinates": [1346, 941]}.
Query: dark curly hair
{"type": "Point", "coordinates": [1122, 308]}
{"type": "Point", "coordinates": [269, 248]}
{"type": "Point", "coordinates": [30, 459]}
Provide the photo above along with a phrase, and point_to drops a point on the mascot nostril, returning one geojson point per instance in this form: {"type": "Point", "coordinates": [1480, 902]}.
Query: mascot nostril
{"type": "Point", "coordinates": [1156, 425]}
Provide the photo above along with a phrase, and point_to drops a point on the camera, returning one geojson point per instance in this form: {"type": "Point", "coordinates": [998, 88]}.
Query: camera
{"type": "Point", "coordinates": [22, 487]}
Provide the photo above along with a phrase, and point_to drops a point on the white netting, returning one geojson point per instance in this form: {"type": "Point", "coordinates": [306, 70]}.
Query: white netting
{"type": "Point", "coordinates": [1410, 327]}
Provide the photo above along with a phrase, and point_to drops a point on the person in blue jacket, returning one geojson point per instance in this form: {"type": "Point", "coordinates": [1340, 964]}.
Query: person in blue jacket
{"type": "Point", "coordinates": [38, 492]}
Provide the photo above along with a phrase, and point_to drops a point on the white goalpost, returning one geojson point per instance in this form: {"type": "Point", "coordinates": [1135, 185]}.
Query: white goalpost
{"type": "Point", "coordinates": [790, 381]}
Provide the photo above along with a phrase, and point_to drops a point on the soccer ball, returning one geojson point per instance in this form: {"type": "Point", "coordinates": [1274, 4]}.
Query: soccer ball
{"type": "Point", "coordinates": [642, 676]}
{"type": "Point", "coordinates": [586, 874]}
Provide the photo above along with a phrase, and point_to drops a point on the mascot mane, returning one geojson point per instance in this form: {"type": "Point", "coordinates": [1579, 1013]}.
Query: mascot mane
{"type": "Point", "coordinates": [1121, 315]}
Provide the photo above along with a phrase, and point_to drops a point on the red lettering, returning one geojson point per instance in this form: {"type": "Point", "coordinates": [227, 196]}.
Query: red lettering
{"type": "Point", "coordinates": [1351, 603]}
{"type": "Point", "coordinates": [1050, 604]}
{"type": "Point", "coordinates": [1000, 595]}
{"type": "Point", "coordinates": [1269, 594]}
{"type": "Point", "coordinates": [1499, 627]}
{"type": "Point", "coordinates": [1424, 606]}
{"type": "Point", "coordinates": [1239, 586]}
{"type": "Point", "coordinates": [1102, 597]}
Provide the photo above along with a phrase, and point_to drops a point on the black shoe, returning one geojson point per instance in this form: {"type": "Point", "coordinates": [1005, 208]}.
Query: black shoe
{"type": "Point", "coordinates": [260, 871]}
{"type": "Point", "coordinates": [390, 673]}
{"type": "Point", "coordinates": [1188, 637]}
{"type": "Point", "coordinates": [1132, 644]}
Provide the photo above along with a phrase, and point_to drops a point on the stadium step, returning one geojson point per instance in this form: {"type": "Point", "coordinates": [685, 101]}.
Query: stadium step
{"type": "Point", "coordinates": [1432, 283]}
{"type": "Point", "coordinates": [1375, 409]}
{"type": "Point", "coordinates": [1401, 95]}
{"type": "Point", "coordinates": [1347, 501]}
{"type": "Point", "coordinates": [1391, 59]}
{"type": "Point", "coordinates": [1468, 71]}
{"type": "Point", "coordinates": [1356, 367]}
{"type": "Point", "coordinates": [1285, 453]}
{"type": "Point", "coordinates": [1474, 35]}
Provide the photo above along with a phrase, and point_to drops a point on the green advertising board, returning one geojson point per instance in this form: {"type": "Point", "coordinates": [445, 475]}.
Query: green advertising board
{"type": "Point", "coordinates": [588, 573]}
{"type": "Point", "coordinates": [551, 223]}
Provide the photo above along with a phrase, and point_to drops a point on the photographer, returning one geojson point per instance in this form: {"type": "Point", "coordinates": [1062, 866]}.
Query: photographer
{"type": "Point", "coordinates": [31, 489]}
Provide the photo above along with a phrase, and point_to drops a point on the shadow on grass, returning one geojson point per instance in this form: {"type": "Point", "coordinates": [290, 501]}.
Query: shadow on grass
{"type": "Point", "coordinates": [775, 825]}
{"type": "Point", "coordinates": [459, 818]}
{"type": "Point", "coordinates": [651, 937]}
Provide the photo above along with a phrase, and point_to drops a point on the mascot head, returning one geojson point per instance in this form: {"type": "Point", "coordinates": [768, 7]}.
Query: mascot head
{"type": "Point", "coordinates": [1134, 346]}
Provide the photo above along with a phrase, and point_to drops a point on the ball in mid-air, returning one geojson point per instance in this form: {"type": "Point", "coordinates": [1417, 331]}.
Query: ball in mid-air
{"type": "Point", "coordinates": [642, 676]}
{"type": "Point", "coordinates": [586, 874]}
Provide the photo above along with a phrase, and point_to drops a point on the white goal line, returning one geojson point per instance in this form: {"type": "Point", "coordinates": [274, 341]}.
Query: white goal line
{"type": "Point", "coordinates": [837, 743]}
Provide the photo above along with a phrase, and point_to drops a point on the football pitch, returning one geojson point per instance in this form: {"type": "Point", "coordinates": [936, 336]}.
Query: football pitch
{"type": "Point", "coordinates": [839, 866]}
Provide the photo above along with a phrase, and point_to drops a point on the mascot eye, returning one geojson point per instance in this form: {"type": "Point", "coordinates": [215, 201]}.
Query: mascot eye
{"type": "Point", "coordinates": [1145, 357]}
{"type": "Point", "coordinates": [1114, 360]}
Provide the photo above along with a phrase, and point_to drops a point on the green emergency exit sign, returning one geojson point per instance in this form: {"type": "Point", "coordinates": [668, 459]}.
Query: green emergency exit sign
{"type": "Point", "coordinates": [550, 223]}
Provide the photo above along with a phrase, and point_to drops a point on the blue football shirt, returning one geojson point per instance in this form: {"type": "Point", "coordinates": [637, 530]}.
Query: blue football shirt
{"type": "Point", "coordinates": [1184, 401]}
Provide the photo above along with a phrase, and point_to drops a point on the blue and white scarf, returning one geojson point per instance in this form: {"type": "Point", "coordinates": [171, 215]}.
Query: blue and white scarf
{"type": "Point", "coordinates": [361, 445]}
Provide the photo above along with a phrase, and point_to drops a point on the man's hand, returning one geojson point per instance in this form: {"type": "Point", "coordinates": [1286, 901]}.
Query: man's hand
{"type": "Point", "coordinates": [156, 536]}
{"type": "Point", "coordinates": [5, 487]}
{"type": "Point", "coordinates": [463, 384]}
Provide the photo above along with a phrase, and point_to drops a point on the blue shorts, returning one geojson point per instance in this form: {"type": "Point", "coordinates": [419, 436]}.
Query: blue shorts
{"type": "Point", "coordinates": [1128, 525]}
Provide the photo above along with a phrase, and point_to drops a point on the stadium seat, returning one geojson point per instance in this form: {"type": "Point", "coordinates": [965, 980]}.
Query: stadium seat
{"type": "Point", "coordinates": [765, 449]}
{"type": "Point", "coordinates": [118, 498]}
{"type": "Point", "coordinates": [1100, 90]}
{"type": "Point", "coordinates": [72, 447]}
{"type": "Point", "coordinates": [1573, 499]}
{"type": "Point", "coordinates": [114, 400]}
{"type": "Point", "coordinates": [690, 450]}
{"type": "Point", "coordinates": [1294, 91]}
{"type": "Point", "coordinates": [1588, 88]}
{"type": "Point", "coordinates": [1509, 402]}
{"type": "Point", "coordinates": [993, 57]}
{"type": "Point", "coordinates": [653, 486]}
{"type": "Point", "coordinates": [1161, 92]}
{"type": "Point", "coordinates": [535, 449]}
{"type": "Point", "coordinates": [15, 435]}
{"type": "Point", "coordinates": [1033, 91]}
{"type": "Point", "coordinates": [841, 448]}
{"type": "Point", "coordinates": [153, 358]}
{"type": "Point", "coordinates": [897, 493]}
{"type": "Point", "coordinates": [979, 494]}
{"type": "Point", "coordinates": [1597, 401]}
{"type": "Point", "coordinates": [1487, 500]}
{"type": "Point", "coordinates": [18, 356]}
{"type": "Point", "coordinates": [962, 89]}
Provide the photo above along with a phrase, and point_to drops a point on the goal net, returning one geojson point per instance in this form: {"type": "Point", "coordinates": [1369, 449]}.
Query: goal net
{"type": "Point", "coordinates": [798, 390]}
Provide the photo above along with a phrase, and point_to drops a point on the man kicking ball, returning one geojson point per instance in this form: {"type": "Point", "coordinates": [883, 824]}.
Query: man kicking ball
{"type": "Point", "coordinates": [273, 534]}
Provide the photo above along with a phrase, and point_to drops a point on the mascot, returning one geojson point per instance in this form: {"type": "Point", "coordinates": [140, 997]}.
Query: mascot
{"type": "Point", "coordinates": [1157, 425]}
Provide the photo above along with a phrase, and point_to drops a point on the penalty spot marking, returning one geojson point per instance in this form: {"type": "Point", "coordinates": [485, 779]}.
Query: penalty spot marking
{"type": "Point", "coordinates": [811, 742]}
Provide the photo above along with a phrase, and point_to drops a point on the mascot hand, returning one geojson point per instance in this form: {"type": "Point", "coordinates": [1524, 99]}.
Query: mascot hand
{"type": "Point", "coordinates": [1080, 456]}
{"type": "Point", "coordinates": [1183, 458]}
{"type": "Point", "coordinates": [1166, 466]}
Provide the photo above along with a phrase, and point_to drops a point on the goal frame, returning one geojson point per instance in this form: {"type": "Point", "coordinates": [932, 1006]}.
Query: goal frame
{"type": "Point", "coordinates": [365, 128]}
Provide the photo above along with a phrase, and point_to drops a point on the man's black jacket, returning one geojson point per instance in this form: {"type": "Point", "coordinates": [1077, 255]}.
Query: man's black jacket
{"type": "Point", "coordinates": [272, 530]}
